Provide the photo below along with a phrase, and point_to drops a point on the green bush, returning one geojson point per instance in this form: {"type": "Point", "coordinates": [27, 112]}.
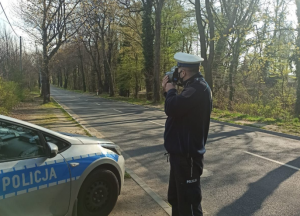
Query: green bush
{"type": "Point", "coordinates": [296, 120]}
{"type": "Point", "coordinates": [10, 95]}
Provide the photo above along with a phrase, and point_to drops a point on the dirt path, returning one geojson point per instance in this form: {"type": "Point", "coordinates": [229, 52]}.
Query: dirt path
{"type": "Point", "coordinates": [49, 116]}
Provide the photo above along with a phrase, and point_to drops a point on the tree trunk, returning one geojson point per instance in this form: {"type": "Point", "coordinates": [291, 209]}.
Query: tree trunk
{"type": "Point", "coordinates": [61, 79]}
{"type": "Point", "coordinates": [208, 61]}
{"type": "Point", "coordinates": [92, 81]}
{"type": "Point", "coordinates": [105, 66]}
{"type": "Point", "coordinates": [297, 107]}
{"type": "Point", "coordinates": [82, 71]}
{"type": "Point", "coordinates": [57, 77]}
{"type": "Point", "coordinates": [159, 6]}
{"type": "Point", "coordinates": [109, 66]}
{"type": "Point", "coordinates": [6, 74]}
{"type": "Point", "coordinates": [45, 77]}
{"type": "Point", "coordinates": [66, 79]}
{"type": "Point", "coordinates": [221, 45]}
{"type": "Point", "coordinates": [233, 67]}
{"type": "Point", "coordinates": [136, 91]}
{"type": "Point", "coordinates": [75, 78]}
{"type": "Point", "coordinates": [99, 67]}
{"type": "Point", "coordinates": [45, 70]}
{"type": "Point", "coordinates": [147, 39]}
{"type": "Point", "coordinates": [40, 80]}
{"type": "Point", "coordinates": [136, 78]}
{"type": "Point", "coordinates": [96, 67]}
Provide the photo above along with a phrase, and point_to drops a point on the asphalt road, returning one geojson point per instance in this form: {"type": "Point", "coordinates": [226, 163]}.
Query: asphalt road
{"type": "Point", "coordinates": [248, 172]}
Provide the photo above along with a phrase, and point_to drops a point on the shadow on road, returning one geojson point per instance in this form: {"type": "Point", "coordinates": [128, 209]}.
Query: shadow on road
{"type": "Point", "coordinates": [248, 128]}
{"type": "Point", "coordinates": [258, 192]}
{"type": "Point", "coordinates": [146, 150]}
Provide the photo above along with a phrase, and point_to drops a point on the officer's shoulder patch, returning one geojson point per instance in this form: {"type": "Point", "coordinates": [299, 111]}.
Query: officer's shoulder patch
{"type": "Point", "coordinates": [188, 92]}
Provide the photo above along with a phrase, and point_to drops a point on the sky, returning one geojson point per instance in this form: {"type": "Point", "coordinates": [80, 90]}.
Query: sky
{"type": "Point", "coordinates": [8, 6]}
{"type": "Point", "coordinates": [292, 10]}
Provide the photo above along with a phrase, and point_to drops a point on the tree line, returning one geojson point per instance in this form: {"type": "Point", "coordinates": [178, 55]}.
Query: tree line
{"type": "Point", "coordinates": [251, 48]}
{"type": "Point", "coordinates": [14, 82]}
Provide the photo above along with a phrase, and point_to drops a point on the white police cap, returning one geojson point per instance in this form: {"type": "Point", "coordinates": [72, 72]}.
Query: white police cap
{"type": "Point", "coordinates": [187, 60]}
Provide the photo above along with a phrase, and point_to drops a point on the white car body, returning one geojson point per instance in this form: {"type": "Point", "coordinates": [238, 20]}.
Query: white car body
{"type": "Point", "coordinates": [39, 186]}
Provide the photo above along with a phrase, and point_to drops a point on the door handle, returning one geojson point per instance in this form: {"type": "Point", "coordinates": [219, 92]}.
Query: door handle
{"type": "Point", "coordinates": [74, 164]}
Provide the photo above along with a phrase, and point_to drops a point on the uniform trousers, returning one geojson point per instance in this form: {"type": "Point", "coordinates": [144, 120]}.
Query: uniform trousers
{"type": "Point", "coordinates": [184, 193]}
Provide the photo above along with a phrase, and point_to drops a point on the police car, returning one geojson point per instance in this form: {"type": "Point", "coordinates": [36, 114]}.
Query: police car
{"type": "Point", "coordinates": [43, 172]}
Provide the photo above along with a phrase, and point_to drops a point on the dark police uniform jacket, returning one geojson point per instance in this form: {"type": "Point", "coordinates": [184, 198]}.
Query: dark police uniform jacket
{"type": "Point", "coordinates": [188, 119]}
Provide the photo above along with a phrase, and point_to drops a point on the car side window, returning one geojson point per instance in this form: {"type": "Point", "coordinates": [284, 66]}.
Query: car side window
{"type": "Point", "coordinates": [62, 145]}
{"type": "Point", "coordinates": [18, 142]}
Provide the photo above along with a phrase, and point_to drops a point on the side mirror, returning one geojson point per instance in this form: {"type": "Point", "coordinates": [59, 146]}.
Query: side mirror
{"type": "Point", "coordinates": [53, 149]}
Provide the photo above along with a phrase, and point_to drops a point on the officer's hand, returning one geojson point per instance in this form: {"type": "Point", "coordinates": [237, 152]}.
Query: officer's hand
{"type": "Point", "coordinates": [169, 86]}
{"type": "Point", "coordinates": [164, 82]}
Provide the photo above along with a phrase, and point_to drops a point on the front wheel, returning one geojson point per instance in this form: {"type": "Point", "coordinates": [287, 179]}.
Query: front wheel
{"type": "Point", "coordinates": [98, 194]}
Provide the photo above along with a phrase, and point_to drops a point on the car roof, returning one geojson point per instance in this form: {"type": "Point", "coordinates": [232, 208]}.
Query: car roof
{"type": "Point", "coordinates": [71, 139]}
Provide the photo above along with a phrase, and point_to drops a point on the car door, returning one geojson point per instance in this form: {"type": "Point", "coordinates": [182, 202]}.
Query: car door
{"type": "Point", "coordinates": [31, 183]}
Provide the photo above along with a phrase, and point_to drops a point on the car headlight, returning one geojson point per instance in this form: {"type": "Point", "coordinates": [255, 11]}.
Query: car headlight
{"type": "Point", "coordinates": [112, 147]}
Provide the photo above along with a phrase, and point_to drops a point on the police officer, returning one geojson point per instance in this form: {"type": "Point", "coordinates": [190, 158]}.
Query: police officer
{"type": "Point", "coordinates": [186, 133]}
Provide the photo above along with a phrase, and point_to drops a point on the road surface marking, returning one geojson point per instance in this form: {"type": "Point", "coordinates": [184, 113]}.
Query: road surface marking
{"type": "Point", "coordinates": [118, 110]}
{"type": "Point", "coordinates": [157, 123]}
{"type": "Point", "coordinates": [283, 164]}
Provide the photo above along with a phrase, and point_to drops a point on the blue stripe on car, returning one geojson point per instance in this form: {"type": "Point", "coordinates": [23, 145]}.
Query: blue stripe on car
{"type": "Point", "coordinates": [18, 181]}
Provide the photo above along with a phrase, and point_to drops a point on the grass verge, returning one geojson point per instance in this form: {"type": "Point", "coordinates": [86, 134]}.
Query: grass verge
{"type": "Point", "coordinates": [127, 176]}
{"type": "Point", "coordinates": [291, 126]}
